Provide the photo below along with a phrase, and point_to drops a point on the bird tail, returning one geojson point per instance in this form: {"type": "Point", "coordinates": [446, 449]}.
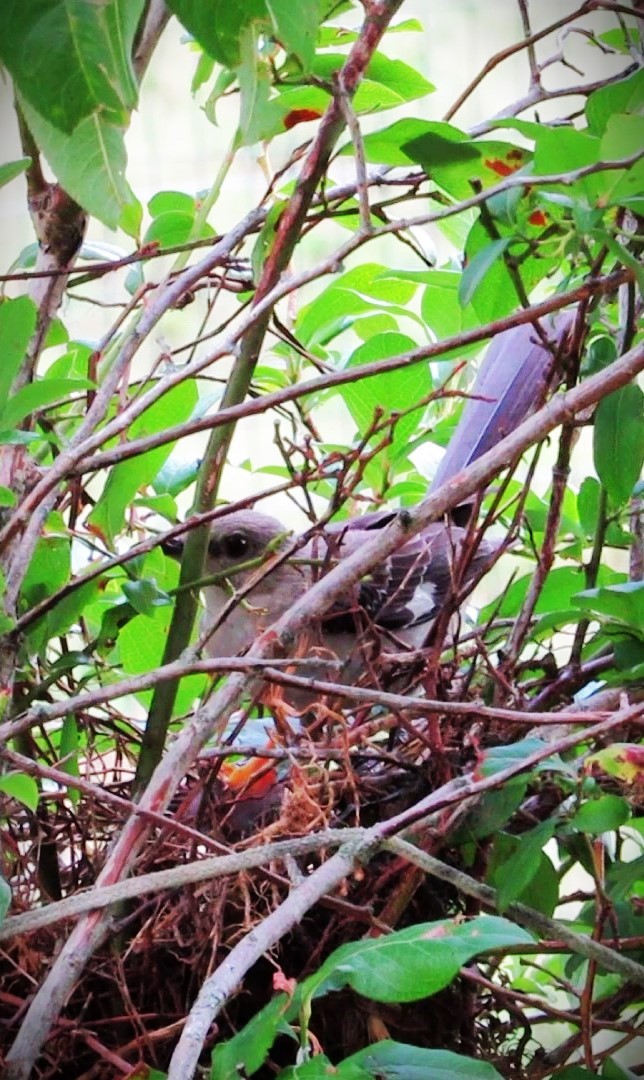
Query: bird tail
{"type": "Point", "coordinates": [511, 383]}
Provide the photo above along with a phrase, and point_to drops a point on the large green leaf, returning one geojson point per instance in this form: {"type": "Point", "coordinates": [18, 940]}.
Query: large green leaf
{"type": "Point", "coordinates": [618, 446]}
{"type": "Point", "coordinates": [90, 165]}
{"type": "Point", "coordinates": [386, 82]}
{"type": "Point", "coordinates": [441, 308]}
{"type": "Point", "coordinates": [351, 295]}
{"type": "Point", "coordinates": [128, 477]}
{"type": "Point", "coordinates": [625, 96]}
{"type": "Point", "coordinates": [389, 1060]}
{"type": "Point", "coordinates": [249, 1048]}
{"type": "Point", "coordinates": [494, 293]}
{"type": "Point", "coordinates": [560, 150]}
{"type": "Point", "coordinates": [596, 816]}
{"type": "Point", "coordinates": [391, 392]}
{"type": "Point", "coordinates": [72, 58]}
{"type": "Point", "coordinates": [21, 787]}
{"type": "Point", "coordinates": [455, 161]}
{"type": "Point", "coordinates": [413, 963]}
{"type": "Point", "coordinates": [477, 269]}
{"type": "Point", "coordinates": [141, 644]}
{"type": "Point", "coordinates": [36, 396]}
{"type": "Point", "coordinates": [17, 324]}
{"type": "Point", "coordinates": [517, 859]}
{"type": "Point", "coordinates": [387, 146]}
{"type": "Point", "coordinates": [295, 26]}
{"type": "Point", "coordinates": [219, 24]}
{"type": "Point", "coordinates": [623, 603]}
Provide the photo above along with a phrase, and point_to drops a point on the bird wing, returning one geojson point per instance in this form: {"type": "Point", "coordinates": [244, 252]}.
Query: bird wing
{"type": "Point", "coordinates": [404, 590]}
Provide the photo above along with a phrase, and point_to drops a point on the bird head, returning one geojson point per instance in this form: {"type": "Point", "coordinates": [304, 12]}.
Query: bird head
{"type": "Point", "coordinates": [241, 537]}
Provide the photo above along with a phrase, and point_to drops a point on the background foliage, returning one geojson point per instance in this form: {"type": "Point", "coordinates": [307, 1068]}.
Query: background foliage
{"type": "Point", "coordinates": [444, 883]}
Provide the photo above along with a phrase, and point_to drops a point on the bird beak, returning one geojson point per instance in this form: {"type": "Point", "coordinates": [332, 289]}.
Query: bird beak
{"type": "Point", "coordinates": [173, 546]}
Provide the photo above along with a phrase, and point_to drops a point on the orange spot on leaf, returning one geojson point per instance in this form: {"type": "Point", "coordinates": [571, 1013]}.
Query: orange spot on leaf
{"type": "Point", "coordinates": [300, 116]}
{"type": "Point", "coordinates": [538, 218]}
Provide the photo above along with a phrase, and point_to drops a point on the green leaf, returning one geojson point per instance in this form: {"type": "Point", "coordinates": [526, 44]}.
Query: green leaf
{"type": "Point", "coordinates": [588, 500]}
{"type": "Point", "coordinates": [320, 1068]}
{"type": "Point", "coordinates": [165, 202]}
{"type": "Point", "coordinates": [17, 324]}
{"type": "Point", "coordinates": [145, 595]}
{"type": "Point", "coordinates": [72, 58]}
{"type": "Point", "coordinates": [37, 395]}
{"type": "Point", "coordinates": [73, 364]}
{"type": "Point", "coordinates": [612, 1070]}
{"type": "Point", "coordinates": [265, 239]}
{"type": "Point", "coordinates": [203, 71]}
{"type": "Point", "coordinates": [493, 811]}
{"type": "Point", "coordinates": [11, 169]}
{"type": "Point", "coordinates": [218, 25]}
{"type": "Point", "coordinates": [386, 83]}
{"type": "Point", "coordinates": [518, 861]}
{"type": "Point", "coordinates": [387, 146]}
{"type": "Point", "coordinates": [623, 760]}
{"type": "Point", "coordinates": [560, 586]}
{"type": "Point", "coordinates": [441, 308]}
{"type": "Point", "coordinates": [623, 603]}
{"type": "Point", "coordinates": [560, 150]}
{"type": "Point", "coordinates": [625, 878]}
{"type": "Point", "coordinates": [454, 161]}
{"type": "Point", "coordinates": [624, 137]}
{"type": "Point", "coordinates": [90, 165]}
{"type": "Point", "coordinates": [618, 446]}
{"type": "Point", "coordinates": [496, 292]}
{"type": "Point", "coordinates": [128, 477]}
{"type": "Point", "coordinates": [254, 76]}
{"type": "Point", "coordinates": [391, 392]}
{"type": "Point", "coordinates": [296, 27]}
{"type": "Point", "coordinates": [68, 752]}
{"type": "Point", "coordinates": [21, 787]}
{"type": "Point", "coordinates": [497, 758]}
{"type": "Point", "coordinates": [625, 96]}
{"type": "Point", "coordinates": [478, 268]}
{"type": "Point", "coordinates": [351, 295]}
{"type": "Point", "coordinates": [141, 644]}
{"type": "Point", "coordinates": [20, 438]}
{"type": "Point", "coordinates": [5, 898]}
{"type": "Point", "coordinates": [48, 570]}
{"type": "Point", "coordinates": [601, 815]}
{"type": "Point", "coordinates": [575, 1072]}
{"type": "Point", "coordinates": [413, 963]}
{"type": "Point", "coordinates": [248, 1049]}
{"type": "Point", "coordinates": [173, 227]}
{"type": "Point", "coordinates": [389, 1060]}
{"type": "Point", "coordinates": [7, 498]}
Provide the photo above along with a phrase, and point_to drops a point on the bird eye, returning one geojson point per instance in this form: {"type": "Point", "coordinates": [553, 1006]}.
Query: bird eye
{"type": "Point", "coordinates": [235, 546]}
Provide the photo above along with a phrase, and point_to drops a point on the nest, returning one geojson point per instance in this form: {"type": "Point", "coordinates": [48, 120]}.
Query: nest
{"type": "Point", "coordinates": [342, 768]}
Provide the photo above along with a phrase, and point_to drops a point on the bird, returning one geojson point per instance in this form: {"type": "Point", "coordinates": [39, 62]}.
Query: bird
{"type": "Point", "coordinates": [256, 569]}
{"type": "Point", "coordinates": [259, 568]}
{"type": "Point", "coordinates": [394, 605]}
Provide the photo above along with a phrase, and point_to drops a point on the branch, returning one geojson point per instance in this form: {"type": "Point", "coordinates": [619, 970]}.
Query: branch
{"type": "Point", "coordinates": [256, 406]}
{"type": "Point", "coordinates": [44, 712]}
{"type": "Point", "coordinates": [174, 878]}
{"type": "Point", "coordinates": [581, 944]}
{"type": "Point", "coordinates": [36, 505]}
{"type": "Point", "coordinates": [287, 234]}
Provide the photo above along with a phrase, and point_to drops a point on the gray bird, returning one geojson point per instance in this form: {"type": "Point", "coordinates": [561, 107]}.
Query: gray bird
{"type": "Point", "coordinates": [394, 606]}
{"type": "Point", "coordinates": [395, 603]}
